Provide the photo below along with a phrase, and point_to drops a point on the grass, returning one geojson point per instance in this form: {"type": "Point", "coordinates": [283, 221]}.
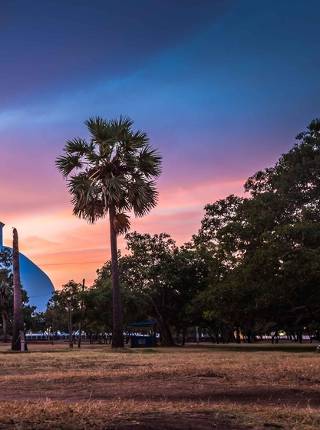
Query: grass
{"type": "Point", "coordinates": [223, 387]}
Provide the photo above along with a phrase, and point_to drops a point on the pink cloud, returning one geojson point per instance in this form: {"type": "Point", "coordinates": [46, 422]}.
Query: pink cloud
{"type": "Point", "coordinates": [69, 248]}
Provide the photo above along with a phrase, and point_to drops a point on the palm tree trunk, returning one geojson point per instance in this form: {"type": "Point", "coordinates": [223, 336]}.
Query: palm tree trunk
{"type": "Point", "coordinates": [18, 326]}
{"type": "Point", "coordinates": [117, 329]}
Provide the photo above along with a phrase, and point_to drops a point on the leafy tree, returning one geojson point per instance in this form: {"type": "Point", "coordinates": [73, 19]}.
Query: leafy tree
{"type": "Point", "coordinates": [295, 176]}
{"type": "Point", "coordinates": [188, 275]}
{"type": "Point", "coordinates": [6, 291]}
{"type": "Point", "coordinates": [146, 272]}
{"type": "Point", "coordinates": [111, 173]}
{"type": "Point", "coordinates": [38, 322]}
{"type": "Point", "coordinates": [266, 247]}
{"type": "Point", "coordinates": [160, 281]}
{"type": "Point", "coordinates": [98, 302]}
{"type": "Point", "coordinates": [294, 182]}
{"type": "Point", "coordinates": [6, 296]}
{"type": "Point", "coordinates": [218, 238]}
{"type": "Point", "coordinates": [98, 305]}
{"type": "Point", "coordinates": [64, 308]}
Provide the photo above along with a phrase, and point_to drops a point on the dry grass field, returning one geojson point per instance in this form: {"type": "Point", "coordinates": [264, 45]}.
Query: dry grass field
{"type": "Point", "coordinates": [182, 388]}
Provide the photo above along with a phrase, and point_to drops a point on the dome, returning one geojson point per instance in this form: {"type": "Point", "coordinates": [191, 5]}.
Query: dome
{"type": "Point", "coordinates": [34, 280]}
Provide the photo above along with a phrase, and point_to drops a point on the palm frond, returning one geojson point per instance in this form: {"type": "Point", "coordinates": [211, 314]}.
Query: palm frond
{"type": "Point", "coordinates": [121, 223]}
{"type": "Point", "coordinates": [67, 163]}
{"type": "Point", "coordinates": [143, 196]}
{"type": "Point", "coordinates": [114, 188]}
{"type": "Point", "coordinates": [77, 146]}
{"type": "Point", "coordinates": [137, 140]}
{"type": "Point", "coordinates": [123, 123]}
{"type": "Point", "coordinates": [149, 162]}
{"type": "Point", "coordinates": [87, 198]}
{"type": "Point", "coordinates": [120, 129]}
{"type": "Point", "coordinates": [99, 129]}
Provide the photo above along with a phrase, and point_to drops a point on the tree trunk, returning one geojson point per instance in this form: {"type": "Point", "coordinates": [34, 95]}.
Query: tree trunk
{"type": "Point", "coordinates": [5, 326]}
{"type": "Point", "coordinates": [166, 338]}
{"type": "Point", "coordinates": [197, 335]}
{"type": "Point", "coordinates": [18, 326]}
{"type": "Point", "coordinates": [70, 327]}
{"type": "Point", "coordinates": [81, 316]}
{"type": "Point", "coordinates": [238, 338]}
{"type": "Point", "coordinates": [117, 326]}
{"type": "Point", "coordinates": [184, 336]}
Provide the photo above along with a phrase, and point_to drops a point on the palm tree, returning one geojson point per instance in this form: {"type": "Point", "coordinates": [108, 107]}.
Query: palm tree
{"type": "Point", "coordinates": [111, 173]}
{"type": "Point", "coordinates": [18, 325]}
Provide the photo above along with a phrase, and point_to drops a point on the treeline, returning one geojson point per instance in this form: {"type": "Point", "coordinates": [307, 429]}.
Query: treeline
{"type": "Point", "coordinates": [253, 268]}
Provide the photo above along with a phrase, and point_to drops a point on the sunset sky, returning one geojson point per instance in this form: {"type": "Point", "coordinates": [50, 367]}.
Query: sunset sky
{"type": "Point", "coordinates": [221, 88]}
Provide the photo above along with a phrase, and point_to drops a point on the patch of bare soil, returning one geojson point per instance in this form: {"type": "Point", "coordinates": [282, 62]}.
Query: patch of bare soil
{"type": "Point", "coordinates": [84, 388]}
{"type": "Point", "coordinates": [175, 421]}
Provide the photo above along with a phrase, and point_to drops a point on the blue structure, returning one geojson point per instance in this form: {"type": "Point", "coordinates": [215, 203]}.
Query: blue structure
{"type": "Point", "coordinates": [146, 340]}
{"type": "Point", "coordinates": [36, 283]}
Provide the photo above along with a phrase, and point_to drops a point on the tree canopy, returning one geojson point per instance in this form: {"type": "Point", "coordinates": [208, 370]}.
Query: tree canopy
{"type": "Point", "coordinates": [252, 269]}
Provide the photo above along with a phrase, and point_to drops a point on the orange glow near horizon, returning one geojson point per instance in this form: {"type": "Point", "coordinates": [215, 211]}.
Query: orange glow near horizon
{"type": "Point", "coordinates": [66, 247]}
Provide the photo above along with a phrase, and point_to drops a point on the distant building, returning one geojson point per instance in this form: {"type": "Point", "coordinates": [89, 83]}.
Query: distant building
{"type": "Point", "coordinates": [36, 283]}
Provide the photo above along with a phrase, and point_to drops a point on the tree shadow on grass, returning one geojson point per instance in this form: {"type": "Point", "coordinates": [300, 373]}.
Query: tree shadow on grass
{"type": "Point", "coordinates": [179, 421]}
{"type": "Point", "coordinates": [258, 348]}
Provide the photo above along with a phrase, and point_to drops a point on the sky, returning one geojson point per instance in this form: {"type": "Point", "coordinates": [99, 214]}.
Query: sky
{"type": "Point", "coordinates": [222, 88]}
